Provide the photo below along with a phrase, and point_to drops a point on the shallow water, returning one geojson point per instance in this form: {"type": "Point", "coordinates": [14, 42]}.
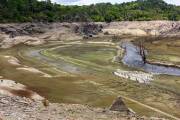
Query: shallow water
{"type": "Point", "coordinates": [133, 58]}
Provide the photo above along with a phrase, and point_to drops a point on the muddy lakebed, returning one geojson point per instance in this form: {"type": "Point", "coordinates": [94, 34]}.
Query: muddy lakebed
{"type": "Point", "coordinates": [82, 73]}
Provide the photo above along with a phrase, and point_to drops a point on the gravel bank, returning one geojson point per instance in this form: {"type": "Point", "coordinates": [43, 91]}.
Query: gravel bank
{"type": "Point", "coordinates": [18, 108]}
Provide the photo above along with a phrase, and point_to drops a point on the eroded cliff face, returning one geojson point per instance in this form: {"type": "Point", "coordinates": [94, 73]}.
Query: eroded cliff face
{"type": "Point", "coordinates": [35, 33]}
{"type": "Point", "coordinates": [144, 28]}
{"type": "Point", "coordinates": [39, 33]}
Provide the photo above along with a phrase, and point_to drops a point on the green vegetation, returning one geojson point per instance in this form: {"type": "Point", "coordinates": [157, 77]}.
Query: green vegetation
{"type": "Point", "coordinates": [45, 11]}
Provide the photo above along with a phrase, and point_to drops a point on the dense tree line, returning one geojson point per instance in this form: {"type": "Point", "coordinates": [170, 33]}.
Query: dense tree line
{"type": "Point", "coordinates": [34, 11]}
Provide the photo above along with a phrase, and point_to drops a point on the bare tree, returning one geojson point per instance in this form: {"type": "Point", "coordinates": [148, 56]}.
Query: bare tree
{"type": "Point", "coordinates": [142, 51]}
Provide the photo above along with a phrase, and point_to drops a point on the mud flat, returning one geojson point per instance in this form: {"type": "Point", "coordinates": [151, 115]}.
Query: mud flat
{"type": "Point", "coordinates": [81, 69]}
{"type": "Point", "coordinates": [33, 70]}
{"type": "Point", "coordinates": [12, 60]}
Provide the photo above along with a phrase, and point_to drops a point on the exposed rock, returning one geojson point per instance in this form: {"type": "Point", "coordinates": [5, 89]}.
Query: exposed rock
{"type": "Point", "coordinates": [134, 32]}
{"type": "Point", "coordinates": [119, 105]}
{"type": "Point", "coordinates": [89, 29]}
{"type": "Point", "coordinates": [25, 109]}
{"type": "Point", "coordinates": [39, 33]}
{"type": "Point", "coordinates": [18, 108]}
{"type": "Point", "coordinates": [138, 76]}
{"type": "Point", "coordinates": [144, 28]}
{"type": "Point", "coordinates": [23, 29]}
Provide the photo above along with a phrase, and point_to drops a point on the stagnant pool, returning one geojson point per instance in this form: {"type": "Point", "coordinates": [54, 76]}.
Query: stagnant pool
{"type": "Point", "coordinates": [133, 58]}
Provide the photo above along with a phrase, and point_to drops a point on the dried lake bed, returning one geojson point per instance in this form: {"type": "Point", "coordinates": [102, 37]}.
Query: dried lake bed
{"type": "Point", "coordinates": [82, 72]}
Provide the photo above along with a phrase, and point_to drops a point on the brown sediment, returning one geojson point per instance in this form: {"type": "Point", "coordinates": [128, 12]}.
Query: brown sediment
{"type": "Point", "coordinates": [21, 93]}
{"type": "Point", "coordinates": [42, 91]}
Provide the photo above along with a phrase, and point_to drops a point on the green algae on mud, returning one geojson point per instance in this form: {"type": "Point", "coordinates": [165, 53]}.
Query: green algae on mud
{"type": "Point", "coordinates": [94, 56]}
{"type": "Point", "coordinates": [89, 83]}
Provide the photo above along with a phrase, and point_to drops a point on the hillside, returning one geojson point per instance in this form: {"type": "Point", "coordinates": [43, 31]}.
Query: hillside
{"type": "Point", "coordinates": [46, 11]}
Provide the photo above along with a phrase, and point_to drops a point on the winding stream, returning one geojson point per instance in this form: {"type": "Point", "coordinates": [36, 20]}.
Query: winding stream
{"type": "Point", "coordinates": [133, 58]}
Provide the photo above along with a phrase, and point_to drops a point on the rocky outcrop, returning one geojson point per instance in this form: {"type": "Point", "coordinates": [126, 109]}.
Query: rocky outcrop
{"type": "Point", "coordinates": [140, 77]}
{"type": "Point", "coordinates": [35, 33]}
{"type": "Point", "coordinates": [119, 105]}
{"type": "Point", "coordinates": [88, 29]}
{"type": "Point", "coordinates": [144, 28]}
{"type": "Point", "coordinates": [23, 29]}
{"type": "Point", "coordinates": [39, 33]}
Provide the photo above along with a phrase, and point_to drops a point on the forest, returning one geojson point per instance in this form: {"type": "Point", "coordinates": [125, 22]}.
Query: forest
{"type": "Point", "coordinates": [46, 11]}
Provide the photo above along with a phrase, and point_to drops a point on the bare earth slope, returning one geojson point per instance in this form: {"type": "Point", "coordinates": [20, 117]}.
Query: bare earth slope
{"type": "Point", "coordinates": [145, 28]}
{"type": "Point", "coordinates": [39, 33]}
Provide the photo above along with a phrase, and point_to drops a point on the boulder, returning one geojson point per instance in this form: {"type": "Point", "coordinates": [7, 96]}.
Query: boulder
{"type": "Point", "coordinates": [119, 105]}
